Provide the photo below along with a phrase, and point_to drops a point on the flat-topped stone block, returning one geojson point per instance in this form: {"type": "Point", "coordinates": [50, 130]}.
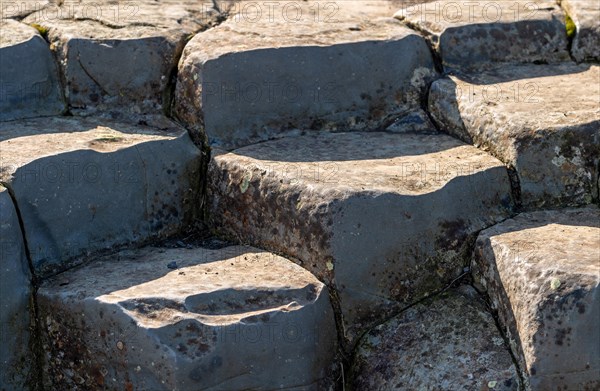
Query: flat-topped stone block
{"type": "Point", "coordinates": [85, 185]}
{"type": "Point", "coordinates": [542, 273]}
{"type": "Point", "coordinates": [255, 78]}
{"type": "Point", "coordinates": [586, 16]}
{"type": "Point", "coordinates": [385, 219]}
{"type": "Point", "coordinates": [543, 120]}
{"type": "Point", "coordinates": [29, 85]}
{"type": "Point", "coordinates": [16, 361]}
{"type": "Point", "coordinates": [476, 34]}
{"type": "Point", "coordinates": [449, 342]}
{"type": "Point", "coordinates": [187, 319]}
{"type": "Point", "coordinates": [143, 38]}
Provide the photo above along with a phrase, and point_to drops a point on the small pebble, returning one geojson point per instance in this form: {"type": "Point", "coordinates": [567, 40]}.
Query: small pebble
{"type": "Point", "coordinates": [172, 265]}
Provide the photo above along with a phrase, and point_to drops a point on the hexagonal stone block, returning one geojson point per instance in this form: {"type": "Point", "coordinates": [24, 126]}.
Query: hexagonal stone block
{"type": "Point", "coordinates": [29, 85]}
{"type": "Point", "coordinates": [143, 38]}
{"type": "Point", "coordinates": [448, 342]}
{"type": "Point", "coordinates": [265, 74]}
{"type": "Point", "coordinates": [187, 319]}
{"type": "Point", "coordinates": [15, 291]}
{"type": "Point", "coordinates": [586, 16]}
{"type": "Point", "coordinates": [542, 120]}
{"type": "Point", "coordinates": [87, 185]}
{"type": "Point", "coordinates": [468, 34]}
{"type": "Point", "coordinates": [385, 219]}
{"type": "Point", "coordinates": [542, 273]}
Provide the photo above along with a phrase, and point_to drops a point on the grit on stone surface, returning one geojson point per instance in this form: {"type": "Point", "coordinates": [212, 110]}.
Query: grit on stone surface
{"type": "Point", "coordinates": [586, 16]}
{"type": "Point", "coordinates": [143, 38]}
{"type": "Point", "coordinates": [15, 291]}
{"type": "Point", "coordinates": [29, 84]}
{"type": "Point", "coordinates": [469, 34]}
{"type": "Point", "coordinates": [542, 273]}
{"type": "Point", "coordinates": [226, 319]}
{"type": "Point", "coordinates": [543, 120]}
{"type": "Point", "coordinates": [366, 212]}
{"type": "Point", "coordinates": [345, 67]}
{"type": "Point", "coordinates": [84, 185]}
{"type": "Point", "coordinates": [449, 342]}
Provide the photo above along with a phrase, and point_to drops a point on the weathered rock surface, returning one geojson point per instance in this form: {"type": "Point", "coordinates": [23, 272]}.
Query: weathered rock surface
{"type": "Point", "coordinates": [367, 212]}
{"type": "Point", "coordinates": [29, 85]}
{"type": "Point", "coordinates": [542, 273]}
{"type": "Point", "coordinates": [20, 9]}
{"type": "Point", "coordinates": [228, 319]}
{"type": "Point", "coordinates": [469, 34]}
{"type": "Point", "coordinates": [449, 342]}
{"type": "Point", "coordinates": [586, 16]}
{"type": "Point", "coordinates": [84, 185]}
{"type": "Point", "coordinates": [15, 291]}
{"type": "Point", "coordinates": [270, 73]}
{"type": "Point", "coordinates": [542, 120]}
{"type": "Point", "coordinates": [143, 39]}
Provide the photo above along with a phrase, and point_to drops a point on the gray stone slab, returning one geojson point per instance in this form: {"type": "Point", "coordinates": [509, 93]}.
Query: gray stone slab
{"type": "Point", "coordinates": [469, 34]}
{"type": "Point", "coordinates": [229, 319]}
{"type": "Point", "coordinates": [542, 273]}
{"type": "Point", "coordinates": [449, 342]}
{"type": "Point", "coordinates": [86, 185]}
{"type": "Point", "coordinates": [15, 291]}
{"type": "Point", "coordinates": [543, 120]}
{"type": "Point", "coordinates": [586, 16]}
{"type": "Point", "coordinates": [121, 55]}
{"type": "Point", "coordinates": [385, 219]}
{"type": "Point", "coordinates": [256, 77]}
{"type": "Point", "coordinates": [29, 85]}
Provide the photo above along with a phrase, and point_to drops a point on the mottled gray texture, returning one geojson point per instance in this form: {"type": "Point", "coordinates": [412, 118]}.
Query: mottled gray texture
{"type": "Point", "coordinates": [469, 34]}
{"type": "Point", "coordinates": [384, 218]}
{"type": "Point", "coordinates": [229, 319]}
{"type": "Point", "coordinates": [121, 55]}
{"type": "Point", "coordinates": [244, 81]}
{"type": "Point", "coordinates": [29, 85]}
{"type": "Point", "coordinates": [543, 120]}
{"type": "Point", "coordinates": [85, 185]}
{"type": "Point", "coordinates": [15, 296]}
{"type": "Point", "coordinates": [542, 273]}
{"type": "Point", "coordinates": [586, 16]}
{"type": "Point", "coordinates": [449, 342]}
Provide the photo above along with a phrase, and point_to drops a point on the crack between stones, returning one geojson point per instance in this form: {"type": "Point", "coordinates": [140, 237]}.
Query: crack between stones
{"type": "Point", "coordinates": [35, 377]}
{"type": "Point", "coordinates": [494, 313]}
{"type": "Point", "coordinates": [570, 40]}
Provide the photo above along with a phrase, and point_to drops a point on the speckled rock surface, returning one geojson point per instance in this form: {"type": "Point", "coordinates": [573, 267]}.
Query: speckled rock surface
{"type": "Point", "coordinates": [542, 273]}
{"type": "Point", "coordinates": [144, 39]}
{"type": "Point", "coordinates": [366, 212]}
{"type": "Point", "coordinates": [542, 120]}
{"type": "Point", "coordinates": [586, 16]}
{"type": "Point", "coordinates": [84, 185]}
{"type": "Point", "coordinates": [256, 77]}
{"type": "Point", "coordinates": [449, 342]}
{"type": "Point", "coordinates": [469, 34]}
{"type": "Point", "coordinates": [29, 85]}
{"type": "Point", "coordinates": [226, 319]}
{"type": "Point", "coordinates": [15, 291]}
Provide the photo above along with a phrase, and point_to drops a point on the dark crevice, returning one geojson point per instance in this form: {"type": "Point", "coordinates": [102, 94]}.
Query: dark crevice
{"type": "Point", "coordinates": [515, 187]}
{"type": "Point", "coordinates": [344, 357]}
{"type": "Point", "coordinates": [35, 377]}
{"type": "Point", "coordinates": [571, 32]}
{"type": "Point", "coordinates": [429, 39]}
